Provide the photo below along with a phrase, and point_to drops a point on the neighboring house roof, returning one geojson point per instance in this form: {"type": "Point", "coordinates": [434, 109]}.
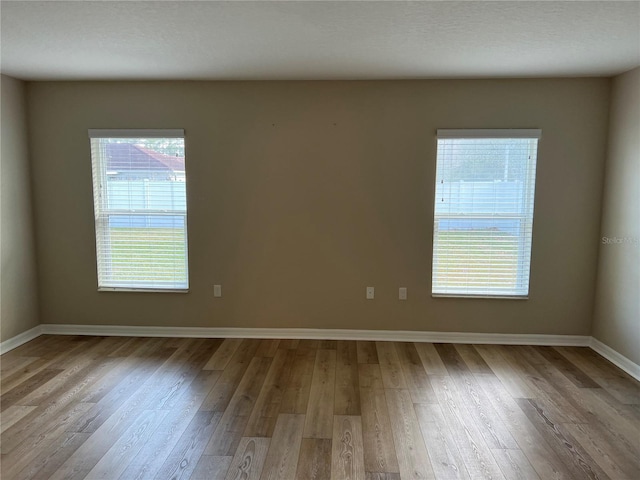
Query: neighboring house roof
{"type": "Point", "coordinates": [126, 156]}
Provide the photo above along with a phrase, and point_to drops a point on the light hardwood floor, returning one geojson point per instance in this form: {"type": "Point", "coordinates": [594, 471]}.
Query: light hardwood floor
{"type": "Point", "coordinates": [245, 409]}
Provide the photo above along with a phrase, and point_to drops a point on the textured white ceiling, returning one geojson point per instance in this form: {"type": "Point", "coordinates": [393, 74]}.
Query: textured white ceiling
{"type": "Point", "coordinates": [316, 40]}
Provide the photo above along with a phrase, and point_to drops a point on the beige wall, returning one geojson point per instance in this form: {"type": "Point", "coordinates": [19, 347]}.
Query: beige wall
{"type": "Point", "coordinates": [617, 312]}
{"type": "Point", "coordinates": [18, 286]}
{"type": "Point", "coordinates": [302, 193]}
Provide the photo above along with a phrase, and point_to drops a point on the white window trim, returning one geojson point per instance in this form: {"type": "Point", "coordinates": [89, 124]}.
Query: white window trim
{"type": "Point", "coordinates": [491, 134]}
{"type": "Point", "coordinates": [143, 290]}
{"type": "Point", "coordinates": [136, 133]}
{"type": "Point", "coordinates": [94, 133]}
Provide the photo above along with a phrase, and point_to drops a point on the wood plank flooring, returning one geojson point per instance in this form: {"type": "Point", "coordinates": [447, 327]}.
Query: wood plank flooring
{"type": "Point", "coordinates": [246, 409]}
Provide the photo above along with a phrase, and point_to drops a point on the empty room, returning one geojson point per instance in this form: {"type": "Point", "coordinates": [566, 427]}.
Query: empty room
{"type": "Point", "coordinates": [328, 240]}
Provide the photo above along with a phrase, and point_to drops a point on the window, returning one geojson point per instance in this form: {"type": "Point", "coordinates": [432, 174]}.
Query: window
{"type": "Point", "coordinates": [140, 206]}
{"type": "Point", "coordinates": [483, 215]}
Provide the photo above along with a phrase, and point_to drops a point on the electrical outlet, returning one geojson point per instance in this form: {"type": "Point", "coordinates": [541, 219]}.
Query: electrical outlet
{"type": "Point", "coordinates": [370, 293]}
{"type": "Point", "coordinates": [402, 293]}
{"type": "Point", "coordinates": [217, 290]}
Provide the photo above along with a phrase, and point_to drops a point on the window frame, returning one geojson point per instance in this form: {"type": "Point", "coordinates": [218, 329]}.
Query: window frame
{"type": "Point", "coordinates": [103, 212]}
{"type": "Point", "coordinates": [527, 220]}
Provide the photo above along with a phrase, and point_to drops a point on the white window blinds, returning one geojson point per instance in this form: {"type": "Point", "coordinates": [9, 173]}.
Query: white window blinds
{"type": "Point", "coordinates": [483, 215]}
{"type": "Point", "coordinates": [140, 205]}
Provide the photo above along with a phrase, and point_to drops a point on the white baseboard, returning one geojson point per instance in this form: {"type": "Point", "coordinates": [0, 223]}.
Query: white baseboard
{"type": "Point", "coordinates": [24, 337]}
{"type": "Point", "coordinates": [320, 334]}
{"type": "Point", "coordinates": [616, 358]}
{"type": "Point", "coordinates": [329, 334]}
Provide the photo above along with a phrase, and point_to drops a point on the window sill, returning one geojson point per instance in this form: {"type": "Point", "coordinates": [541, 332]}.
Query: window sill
{"type": "Point", "coordinates": [489, 297]}
{"type": "Point", "coordinates": [142, 290]}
